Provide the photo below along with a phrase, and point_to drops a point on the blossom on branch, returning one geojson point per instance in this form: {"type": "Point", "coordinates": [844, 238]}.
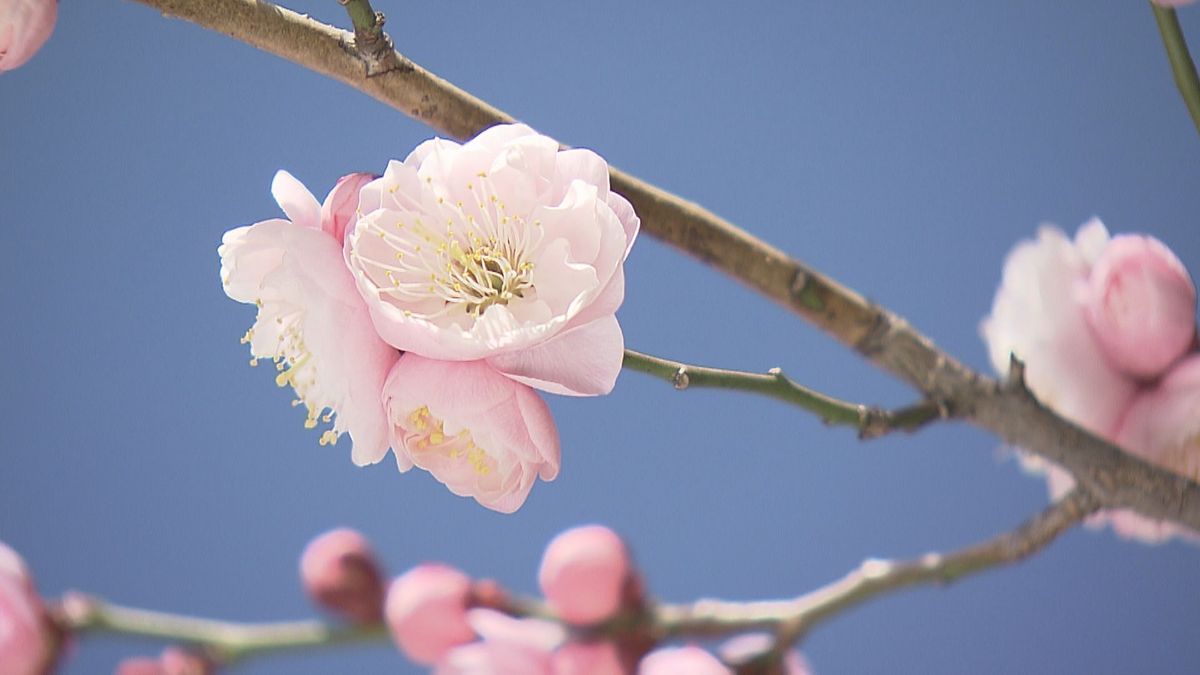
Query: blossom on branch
{"type": "Point", "coordinates": [584, 573]}
{"type": "Point", "coordinates": [1102, 325]}
{"type": "Point", "coordinates": [427, 611]}
{"type": "Point", "coordinates": [502, 249]}
{"type": "Point", "coordinates": [25, 25]}
{"type": "Point", "coordinates": [311, 321]}
{"type": "Point", "coordinates": [27, 644]}
{"type": "Point", "coordinates": [479, 433]}
{"type": "Point", "coordinates": [341, 573]}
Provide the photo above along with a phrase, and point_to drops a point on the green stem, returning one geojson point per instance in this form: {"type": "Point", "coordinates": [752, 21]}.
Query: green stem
{"type": "Point", "coordinates": [221, 641]}
{"type": "Point", "coordinates": [363, 17]}
{"type": "Point", "coordinates": [1182, 66]}
{"type": "Point", "coordinates": [869, 420]}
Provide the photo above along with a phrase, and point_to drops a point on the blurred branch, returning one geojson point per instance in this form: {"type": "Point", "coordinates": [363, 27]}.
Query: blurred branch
{"type": "Point", "coordinates": [1182, 66]}
{"type": "Point", "coordinates": [1115, 478]}
{"type": "Point", "coordinates": [222, 642]}
{"type": "Point", "coordinates": [791, 619]}
{"type": "Point", "coordinates": [870, 421]}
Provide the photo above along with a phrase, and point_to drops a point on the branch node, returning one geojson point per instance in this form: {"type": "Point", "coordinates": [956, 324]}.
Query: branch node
{"type": "Point", "coordinates": [1015, 381]}
{"type": "Point", "coordinates": [680, 379]}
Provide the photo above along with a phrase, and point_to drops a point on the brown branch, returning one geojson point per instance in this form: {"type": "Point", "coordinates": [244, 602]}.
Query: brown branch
{"type": "Point", "coordinates": [1116, 478]}
{"type": "Point", "coordinates": [791, 619]}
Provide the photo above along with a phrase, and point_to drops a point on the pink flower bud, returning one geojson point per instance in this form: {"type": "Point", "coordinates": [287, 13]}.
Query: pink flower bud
{"type": "Point", "coordinates": [583, 574]}
{"type": "Point", "coordinates": [340, 209]}
{"type": "Point", "coordinates": [340, 573]}
{"type": "Point", "coordinates": [26, 645]}
{"type": "Point", "coordinates": [1142, 305]}
{"type": "Point", "coordinates": [24, 27]}
{"type": "Point", "coordinates": [690, 660]}
{"type": "Point", "coordinates": [588, 658]}
{"type": "Point", "coordinates": [427, 611]}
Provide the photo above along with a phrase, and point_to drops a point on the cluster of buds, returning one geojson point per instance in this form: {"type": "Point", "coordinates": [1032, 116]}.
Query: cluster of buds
{"type": "Point", "coordinates": [594, 618]}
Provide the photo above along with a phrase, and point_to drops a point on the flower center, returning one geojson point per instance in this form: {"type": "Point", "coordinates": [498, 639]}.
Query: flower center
{"type": "Point", "coordinates": [426, 435]}
{"type": "Point", "coordinates": [295, 367]}
{"type": "Point", "coordinates": [477, 257]}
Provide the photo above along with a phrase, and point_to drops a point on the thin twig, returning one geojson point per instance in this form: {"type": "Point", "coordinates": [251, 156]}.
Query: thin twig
{"type": "Point", "coordinates": [222, 642]}
{"type": "Point", "coordinates": [870, 421]}
{"type": "Point", "coordinates": [1182, 66]}
{"type": "Point", "coordinates": [791, 619]}
{"type": "Point", "coordinates": [1114, 477]}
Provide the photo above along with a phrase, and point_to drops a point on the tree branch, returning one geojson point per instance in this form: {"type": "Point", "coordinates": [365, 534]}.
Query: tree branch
{"type": "Point", "coordinates": [791, 619]}
{"type": "Point", "coordinates": [870, 421]}
{"type": "Point", "coordinates": [1115, 478]}
{"type": "Point", "coordinates": [1182, 66]}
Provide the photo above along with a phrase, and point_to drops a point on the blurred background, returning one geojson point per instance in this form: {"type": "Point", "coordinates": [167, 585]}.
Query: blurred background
{"type": "Point", "coordinates": [903, 148]}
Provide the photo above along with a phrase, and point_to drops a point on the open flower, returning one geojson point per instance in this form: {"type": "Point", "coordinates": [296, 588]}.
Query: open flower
{"type": "Point", "coordinates": [503, 248]}
{"type": "Point", "coordinates": [311, 321]}
{"type": "Point", "coordinates": [478, 432]}
{"type": "Point", "coordinates": [25, 25]}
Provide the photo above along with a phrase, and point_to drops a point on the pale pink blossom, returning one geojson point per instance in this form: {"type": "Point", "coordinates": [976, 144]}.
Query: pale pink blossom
{"type": "Point", "coordinates": [689, 660]}
{"type": "Point", "coordinates": [311, 321]}
{"type": "Point", "coordinates": [341, 573]}
{"type": "Point", "coordinates": [478, 432]}
{"type": "Point", "coordinates": [583, 574]}
{"type": "Point", "coordinates": [743, 648]}
{"type": "Point", "coordinates": [25, 25]}
{"type": "Point", "coordinates": [508, 646]}
{"type": "Point", "coordinates": [588, 658]}
{"type": "Point", "coordinates": [503, 248]}
{"type": "Point", "coordinates": [1142, 305]}
{"type": "Point", "coordinates": [1039, 316]}
{"type": "Point", "coordinates": [26, 645]}
{"type": "Point", "coordinates": [426, 611]}
{"type": "Point", "coordinates": [1163, 427]}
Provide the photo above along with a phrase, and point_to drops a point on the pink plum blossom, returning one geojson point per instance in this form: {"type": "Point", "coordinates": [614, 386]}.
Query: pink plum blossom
{"type": "Point", "coordinates": [508, 646]}
{"type": "Point", "coordinates": [1056, 298]}
{"type": "Point", "coordinates": [1039, 316]}
{"type": "Point", "coordinates": [340, 572]}
{"type": "Point", "coordinates": [504, 248]}
{"type": "Point", "coordinates": [311, 321]}
{"type": "Point", "coordinates": [426, 611]}
{"type": "Point", "coordinates": [1142, 306]}
{"type": "Point", "coordinates": [1163, 427]}
{"type": "Point", "coordinates": [25, 25]}
{"type": "Point", "coordinates": [26, 643]}
{"type": "Point", "coordinates": [478, 432]}
{"type": "Point", "coordinates": [690, 660]}
{"type": "Point", "coordinates": [587, 658]}
{"type": "Point", "coordinates": [583, 574]}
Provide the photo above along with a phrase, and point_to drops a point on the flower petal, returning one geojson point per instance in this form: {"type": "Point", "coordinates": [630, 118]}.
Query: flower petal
{"type": "Point", "coordinates": [583, 361]}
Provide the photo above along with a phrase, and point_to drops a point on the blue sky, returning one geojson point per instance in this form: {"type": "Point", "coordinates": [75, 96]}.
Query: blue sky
{"type": "Point", "coordinates": [901, 147]}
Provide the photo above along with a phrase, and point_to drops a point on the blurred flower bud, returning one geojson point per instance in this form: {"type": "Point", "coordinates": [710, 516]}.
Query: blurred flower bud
{"type": "Point", "coordinates": [24, 27]}
{"type": "Point", "coordinates": [744, 649]}
{"type": "Point", "coordinates": [588, 658]}
{"type": "Point", "coordinates": [174, 661]}
{"type": "Point", "coordinates": [1141, 305]}
{"type": "Point", "coordinates": [340, 573]}
{"type": "Point", "coordinates": [27, 644]}
{"type": "Point", "coordinates": [690, 660]}
{"type": "Point", "coordinates": [583, 574]}
{"type": "Point", "coordinates": [427, 611]}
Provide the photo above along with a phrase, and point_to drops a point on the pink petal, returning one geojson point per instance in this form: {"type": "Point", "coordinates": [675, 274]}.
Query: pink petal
{"type": "Point", "coordinates": [583, 361]}
{"type": "Point", "coordinates": [25, 25]}
{"type": "Point", "coordinates": [301, 207]}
